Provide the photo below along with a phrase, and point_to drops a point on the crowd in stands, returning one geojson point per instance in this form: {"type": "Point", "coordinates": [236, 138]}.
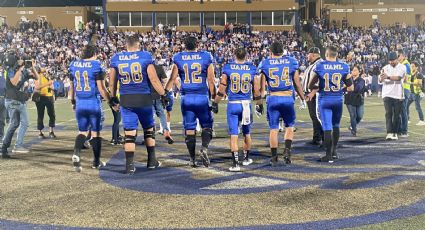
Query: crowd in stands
{"type": "Point", "coordinates": [366, 47]}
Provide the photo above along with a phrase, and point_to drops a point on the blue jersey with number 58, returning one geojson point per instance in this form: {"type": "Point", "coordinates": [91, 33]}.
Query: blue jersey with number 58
{"type": "Point", "coordinates": [131, 68]}
{"type": "Point", "coordinates": [279, 73]}
{"type": "Point", "coordinates": [193, 71]}
{"type": "Point", "coordinates": [239, 80]}
{"type": "Point", "coordinates": [84, 74]}
{"type": "Point", "coordinates": [332, 75]}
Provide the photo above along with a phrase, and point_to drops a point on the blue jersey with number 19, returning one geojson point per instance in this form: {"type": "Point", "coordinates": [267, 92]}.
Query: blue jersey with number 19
{"type": "Point", "coordinates": [193, 71]}
{"type": "Point", "coordinates": [84, 74]}
{"type": "Point", "coordinates": [131, 68]}
{"type": "Point", "coordinates": [239, 80]}
{"type": "Point", "coordinates": [332, 75]}
{"type": "Point", "coordinates": [279, 72]}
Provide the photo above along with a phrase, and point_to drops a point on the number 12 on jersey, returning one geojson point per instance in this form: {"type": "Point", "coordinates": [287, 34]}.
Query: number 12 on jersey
{"type": "Point", "coordinates": [195, 70]}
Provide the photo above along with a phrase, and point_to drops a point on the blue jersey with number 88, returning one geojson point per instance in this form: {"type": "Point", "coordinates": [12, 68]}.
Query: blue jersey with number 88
{"type": "Point", "coordinates": [239, 80]}
{"type": "Point", "coordinates": [131, 68]}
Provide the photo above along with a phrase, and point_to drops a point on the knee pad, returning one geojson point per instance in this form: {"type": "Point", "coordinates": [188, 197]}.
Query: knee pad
{"type": "Point", "coordinates": [129, 139]}
{"type": "Point", "coordinates": [149, 134]}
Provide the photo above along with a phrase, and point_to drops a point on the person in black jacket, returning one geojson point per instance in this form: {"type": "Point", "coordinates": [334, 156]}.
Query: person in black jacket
{"type": "Point", "coordinates": [355, 99]}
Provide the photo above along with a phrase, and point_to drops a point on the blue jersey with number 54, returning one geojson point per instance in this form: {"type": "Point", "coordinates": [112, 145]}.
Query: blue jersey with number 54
{"type": "Point", "coordinates": [239, 80]}
{"type": "Point", "coordinates": [84, 74]}
{"type": "Point", "coordinates": [132, 73]}
{"type": "Point", "coordinates": [332, 75]}
{"type": "Point", "coordinates": [279, 73]}
{"type": "Point", "coordinates": [193, 71]}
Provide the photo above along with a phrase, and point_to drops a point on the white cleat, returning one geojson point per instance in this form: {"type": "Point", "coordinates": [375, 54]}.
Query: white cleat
{"type": "Point", "coordinates": [420, 123]}
{"type": "Point", "coordinates": [247, 162]}
{"type": "Point", "coordinates": [76, 163]}
{"type": "Point", "coordinates": [235, 168]}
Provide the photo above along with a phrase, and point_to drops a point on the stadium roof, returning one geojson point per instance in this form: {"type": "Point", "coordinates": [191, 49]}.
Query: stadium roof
{"type": "Point", "coordinates": [37, 3]}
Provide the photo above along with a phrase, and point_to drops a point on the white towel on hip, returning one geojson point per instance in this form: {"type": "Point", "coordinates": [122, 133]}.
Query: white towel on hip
{"type": "Point", "coordinates": [246, 113]}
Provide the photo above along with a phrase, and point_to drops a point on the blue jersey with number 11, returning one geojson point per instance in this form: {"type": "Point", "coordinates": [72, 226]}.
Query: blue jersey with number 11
{"type": "Point", "coordinates": [193, 71]}
{"type": "Point", "coordinates": [84, 74]}
{"type": "Point", "coordinates": [132, 71]}
{"type": "Point", "coordinates": [332, 75]}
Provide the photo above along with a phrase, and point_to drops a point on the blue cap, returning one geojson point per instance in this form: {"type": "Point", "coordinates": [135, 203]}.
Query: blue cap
{"type": "Point", "coordinates": [392, 56]}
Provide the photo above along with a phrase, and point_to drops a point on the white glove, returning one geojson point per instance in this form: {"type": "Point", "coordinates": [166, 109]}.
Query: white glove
{"type": "Point", "coordinates": [422, 95]}
{"type": "Point", "coordinates": [258, 111]}
{"type": "Point", "coordinates": [303, 105]}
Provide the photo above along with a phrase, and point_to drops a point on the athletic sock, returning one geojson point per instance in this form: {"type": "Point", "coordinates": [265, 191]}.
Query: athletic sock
{"type": "Point", "coordinates": [246, 154]}
{"type": "Point", "coordinates": [274, 152]}
{"type": "Point", "coordinates": [79, 143]}
{"type": "Point", "coordinates": [191, 145]}
{"type": "Point", "coordinates": [151, 155]}
{"type": "Point", "coordinates": [169, 126]}
{"type": "Point", "coordinates": [129, 157]}
{"type": "Point", "coordinates": [328, 142]}
{"type": "Point", "coordinates": [96, 144]}
{"type": "Point", "coordinates": [235, 156]}
{"type": "Point", "coordinates": [206, 137]}
{"type": "Point", "coordinates": [288, 144]}
{"type": "Point", "coordinates": [335, 139]}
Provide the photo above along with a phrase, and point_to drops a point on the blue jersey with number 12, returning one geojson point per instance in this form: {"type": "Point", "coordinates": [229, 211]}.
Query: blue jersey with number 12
{"type": "Point", "coordinates": [131, 68]}
{"type": "Point", "coordinates": [332, 75]}
{"type": "Point", "coordinates": [84, 74]}
{"type": "Point", "coordinates": [193, 71]}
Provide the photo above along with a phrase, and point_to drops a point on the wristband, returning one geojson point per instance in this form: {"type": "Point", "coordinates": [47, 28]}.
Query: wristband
{"type": "Point", "coordinates": [220, 94]}
{"type": "Point", "coordinates": [73, 101]}
{"type": "Point", "coordinates": [257, 98]}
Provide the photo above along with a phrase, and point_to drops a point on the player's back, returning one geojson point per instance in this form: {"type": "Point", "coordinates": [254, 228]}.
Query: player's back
{"type": "Point", "coordinates": [84, 74]}
{"type": "Point", "coordinates": [239, 80]}
{"type": "Point", "coordinates": [279, 72]}
{"type": "Point", "coordinates": [193, 71]}
{"type": "Point", "coordinates": [332, 75]}
{"type": "Point", "coordinates": [131, 68]}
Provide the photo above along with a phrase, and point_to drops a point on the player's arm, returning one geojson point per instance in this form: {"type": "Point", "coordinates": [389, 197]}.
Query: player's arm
{"type": "Point", "coordinates": [259, 88]}
{"type": "Point", "coordinates": [221, 88]}
{"type": "Point", "coordinates": [113, 80]}
{"type": "Point", "coordinates": [100, 82]}
{"type": "Point", "coordinates": [156, 83]}
{"type": "Point", "coordinates": [173, 78]}
{"type": "Point", "coordinates": [210, 79]}
{"type": "Point", "coordinates": [71, 91]}
{"type": "Point", "coordinates": [298, 87]}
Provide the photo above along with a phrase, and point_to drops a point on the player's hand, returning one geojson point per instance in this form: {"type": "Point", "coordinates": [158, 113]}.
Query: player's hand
{"type": "Point", "coordinates": [114, 101]}
{"type": "Point", "coordinates": [165, 99]}
{"type": "Point", "coordinates": [259, 109]}
{"type": "Point", "coordinates": [214, 107]}
{"type": "Point", "coordinates": [303, 105]}
{"type": "Point", "coordinates": [116, 108]}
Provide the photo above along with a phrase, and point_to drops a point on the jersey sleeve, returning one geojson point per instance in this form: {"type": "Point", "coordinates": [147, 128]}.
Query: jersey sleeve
{"type": "Point", "coordinates": [318, 69]}
{"type": "Point", "coordinates": [100, 75]}
{"type": "Point", "coordinates": [114, 62]}
{"type": "Point", "coordinates": [260, 69]}
{"type": "Point", "coordinates": [210, 59]}
{"type": "Point", "coordinates": [70, 75]}
{"type": "Point", "coordinates": [294, 65]}
{"type": "Point", "coordinates": [345, 72]}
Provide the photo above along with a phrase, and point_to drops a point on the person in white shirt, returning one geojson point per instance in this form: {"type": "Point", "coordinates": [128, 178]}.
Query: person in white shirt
{"type": "Point", "coordinates": [392, 78]}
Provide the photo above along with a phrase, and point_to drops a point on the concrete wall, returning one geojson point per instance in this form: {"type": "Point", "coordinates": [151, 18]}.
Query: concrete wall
{"type": "Point", "coordinates": [59, 17]}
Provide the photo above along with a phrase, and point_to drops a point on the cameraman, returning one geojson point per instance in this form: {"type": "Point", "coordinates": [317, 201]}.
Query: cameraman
{"type": "Point", "coordinates": [18, 73]}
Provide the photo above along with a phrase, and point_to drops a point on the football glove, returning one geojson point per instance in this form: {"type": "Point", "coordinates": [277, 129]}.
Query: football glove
{"type": "Point", "coordinates": [259, 109]}
{"type": "Point", "coordinates": [214, 107]}
{"type": "Point", "coordinates": [114, 101]}
{"type": "Point", "coordinates": [303, 105]}
{"type": "Point", "coordinates": [165, 99]}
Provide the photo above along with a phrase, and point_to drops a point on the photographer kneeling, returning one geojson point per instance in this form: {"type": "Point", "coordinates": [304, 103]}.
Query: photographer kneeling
{"type": "Point", "coordinates": [18, 73]}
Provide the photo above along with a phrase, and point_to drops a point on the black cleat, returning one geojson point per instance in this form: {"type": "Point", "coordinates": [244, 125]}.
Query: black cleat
{"type": "Point", "coordinates": [193, 164]}
{"type": "Point", "coordinates": [155, 165]}
{"type": "Point", "coordinates": [41, 136]}
{"type": "Point", "coordinates": [335, 156]}
{"type": "Point", "coordinates": [287, 156]}
{"type": "Point", "coordinates": [5, 156]}
{"type": "Point", "coordinates": [130, 169]}
{"type": "Point", "coordinates": [203, 154]}
{"type": "Point", "coordinates": [98, 165]}
{"type": "Point", "coordinates": [326, 159]}
{"type": "Point", "coordinates": [274, 161]}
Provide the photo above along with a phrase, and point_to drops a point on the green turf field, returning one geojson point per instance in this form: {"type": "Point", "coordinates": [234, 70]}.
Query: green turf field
{"type": "Point", "coordinates": [40, 188]}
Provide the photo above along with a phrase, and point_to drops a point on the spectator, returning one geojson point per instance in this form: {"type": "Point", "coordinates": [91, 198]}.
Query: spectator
{"type": "Point", "coordinates": [46, 100]}
{"type": "Point", "coordinates": [416, 93]}
{"type": "Point", "coordinates": [406, 87]}
{"type": "Point", "coordinates": [355, 100]}
{"type": "Point", "coordinates": [392, 93]}
{"type": "Point", "coordinates": [2, 106]}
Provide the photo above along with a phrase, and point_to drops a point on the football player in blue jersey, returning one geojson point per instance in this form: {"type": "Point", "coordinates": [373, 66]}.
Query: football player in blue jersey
{"type": "Point", "coordinates": [281, 74]}
{"type": "Point", "coordinates": [237, 81]}
{"type": "Point", "coordinates": [136, 74]}
{"type": "Point", "coordinates": [332, 75]}
{"type": "Point", "coordinates": [86, 86]}
{"type": "Point", "coordinates": [196, 72]}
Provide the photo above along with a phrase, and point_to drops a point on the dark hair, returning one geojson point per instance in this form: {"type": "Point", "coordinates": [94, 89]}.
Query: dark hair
{"type": "Point", "coordinates": [333, 51]}
{"type": "Point", "coordinates": [415, 63]}
{"type": "Point", "coordinates": [190, 43]}
{"type": "Point", "coordinates": [132, 40]}
{"type": "Point", "coordinates": [359, 68]}
{"type": "Point", "coordinates": [89, 51]}
{"type": "Point", "coordinates": [276, 48]}
{"type": "Point", "coordinates": [240, 53]}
